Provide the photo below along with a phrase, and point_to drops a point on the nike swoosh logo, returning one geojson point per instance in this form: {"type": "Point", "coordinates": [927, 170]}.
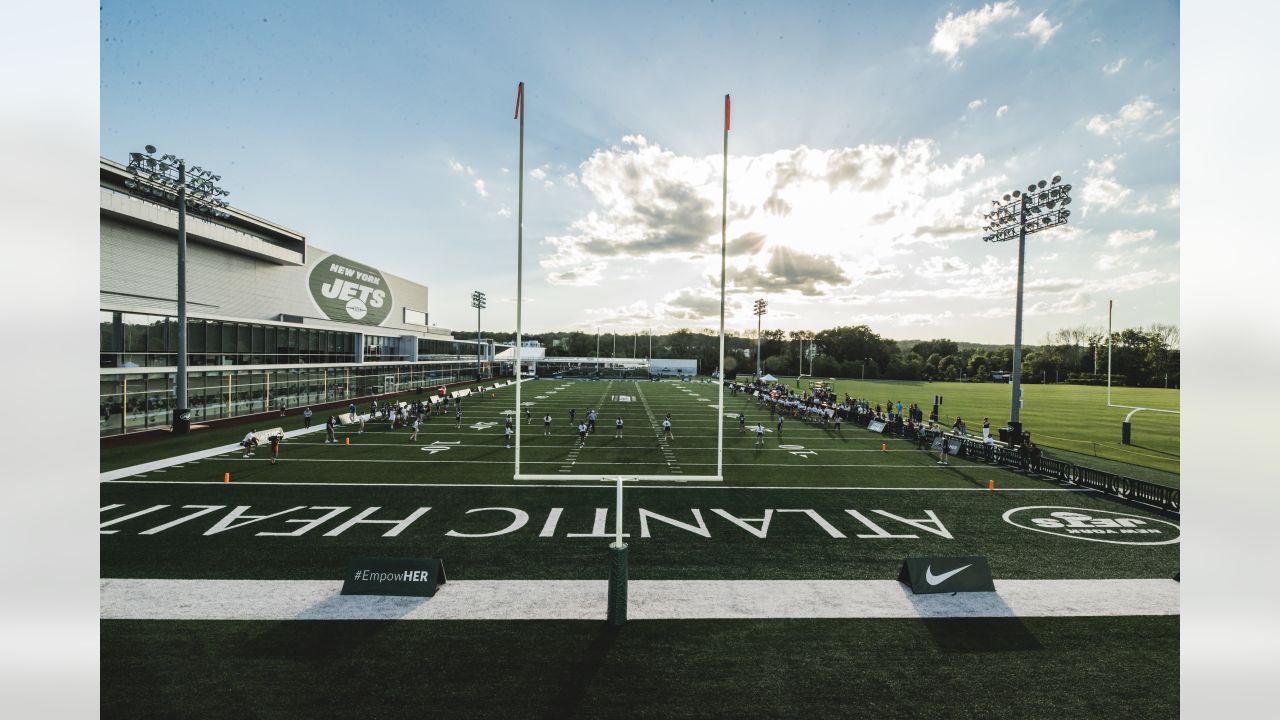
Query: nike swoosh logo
{"type": "Point", "coordinates": [932, 579]}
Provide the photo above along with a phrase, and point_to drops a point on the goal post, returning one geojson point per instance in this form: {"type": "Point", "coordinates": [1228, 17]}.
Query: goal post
{"type": "Point", "coordinates": [518, 473]}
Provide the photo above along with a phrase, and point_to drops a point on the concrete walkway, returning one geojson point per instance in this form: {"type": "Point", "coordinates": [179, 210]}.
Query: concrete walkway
{"type": "Point", "coordinates": [124, 599]}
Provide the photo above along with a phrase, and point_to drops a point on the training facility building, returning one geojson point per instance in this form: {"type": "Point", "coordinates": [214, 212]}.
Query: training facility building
{"type": "Point", "coordinates": [271, 320]}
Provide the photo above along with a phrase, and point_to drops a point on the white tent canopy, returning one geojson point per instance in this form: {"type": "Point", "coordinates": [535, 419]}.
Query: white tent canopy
{"type": "Point", "coordinates": [768, 378]}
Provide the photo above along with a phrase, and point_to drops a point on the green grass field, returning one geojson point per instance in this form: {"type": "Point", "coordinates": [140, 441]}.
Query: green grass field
{"type": "Point", "coordinates": [837, 507]}
{"type": "Point", "coordinates": [1066, 417]}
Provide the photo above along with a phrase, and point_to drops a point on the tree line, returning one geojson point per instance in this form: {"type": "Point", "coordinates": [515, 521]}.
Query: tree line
{"type": "Point", "coordinates": [1143, 356]}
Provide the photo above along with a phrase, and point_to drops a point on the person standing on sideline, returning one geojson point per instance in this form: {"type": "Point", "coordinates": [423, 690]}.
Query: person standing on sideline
{"type": "Point", "coordinates": [546, 424]}
{"type": "Point", "coordinates": [779, 426]}
{"type": "Point", "coordinates": [353, 410]}
{"type": "Point", "coordinates": [943, 461]}
{"type": "Point", "coordinates": [617, 427]}
{"type": "Point", "coordinates": [361, 430]}
{"type": "Point", "coordinates": [248, 442]}
{"type": "Point", "coordinates": [986, 430]}
{"type": "Point", "coordinates": [759, 433]}
{"type": "Point", "coordinates": [275, 446]}
{"type": "Point", "coordinates": [306, 417]}
{"type": "Point", "coordinates": [666, 428]}
{"type": "Point", "coordinates": [328, 430]}
{"type": "Point", "coordinates": [742, 423]}
{"type": "Point", "coordinates": [457, 415]}
{"type": "Point", "coordinates": [414, 436]}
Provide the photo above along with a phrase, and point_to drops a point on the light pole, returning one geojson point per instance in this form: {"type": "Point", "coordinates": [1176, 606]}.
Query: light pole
{"type": "Point", "coordinates": [864, 367]}
{"type": "Point", "coordinates": [477, 302]}
{"type": "Point", "coordinates": [1044, 205]}
{"type": "Point", "coordinates": [761, 308]}
{"type": "Point", "coordinates": [166, 180]}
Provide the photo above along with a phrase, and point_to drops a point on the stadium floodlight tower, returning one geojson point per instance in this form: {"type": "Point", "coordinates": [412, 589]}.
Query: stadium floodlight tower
{"type": "Point", "coordinates": [478, 302]}
{"type": "Point", "coordinates": [1042, 206]}
{"type": "Point", "coordinates": [165, 180]}
{"type": "Point", "coordinates": [617, 597]}
{"type": "Point", "coordinates": [761, 308]}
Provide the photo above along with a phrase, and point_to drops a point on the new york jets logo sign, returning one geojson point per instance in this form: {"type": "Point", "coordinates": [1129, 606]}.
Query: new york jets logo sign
{"type": "Point", "coordinates": [1104, 526]}
{"type": "Point", "coordinates": [348, 291]}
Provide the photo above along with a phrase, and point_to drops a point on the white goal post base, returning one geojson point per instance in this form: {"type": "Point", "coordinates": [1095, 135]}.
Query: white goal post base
{"type": "Point", "coordinates": [615, 478]}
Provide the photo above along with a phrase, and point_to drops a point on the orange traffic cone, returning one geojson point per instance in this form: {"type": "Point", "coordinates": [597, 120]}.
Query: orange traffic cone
{"type": "Point", "coordinates": [991, 484]}
{"type": "Point", "coordinates": [348, 440]}
{"type": "Point", "coordinates": [226, 477]}
{"type": "Point", "coordinates": [884, 447]}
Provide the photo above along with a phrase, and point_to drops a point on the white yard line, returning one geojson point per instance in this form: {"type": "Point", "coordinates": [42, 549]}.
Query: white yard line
{"type": "Point", "coordinates": [159, 465]}
{"type": "Point", "coordinates": [681, 486]}
{"type": "Point", "coordinates": [127, 599]}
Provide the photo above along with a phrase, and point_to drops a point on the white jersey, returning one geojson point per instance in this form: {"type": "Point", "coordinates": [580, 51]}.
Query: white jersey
{"type": "Point", "coordinates": [666, 424]}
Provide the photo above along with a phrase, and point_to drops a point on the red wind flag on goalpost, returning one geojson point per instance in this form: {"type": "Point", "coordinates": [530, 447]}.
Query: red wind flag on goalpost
{"type": "Point", "coordinates": [519, 100]}
{"type": "Point", "coordinates": [726, 113]}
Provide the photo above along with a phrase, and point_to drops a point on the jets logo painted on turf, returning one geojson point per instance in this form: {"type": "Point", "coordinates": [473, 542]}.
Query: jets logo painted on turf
{"type": "Point", "coordinates": [932, 579]}
{"type": "Point", "coordinates": [1106, 526]}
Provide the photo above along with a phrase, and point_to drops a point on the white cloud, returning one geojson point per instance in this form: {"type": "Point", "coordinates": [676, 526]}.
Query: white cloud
{"type": "Point", "coordinates": [1109, 262]}
{"type": "Point", "coordinates": [479, 186]}
{"type": "Point", "coordinates": [902, 319]}
{"type": "Point", "coordinates": [975, 104]}
{"type": "Point", "coordinates": [1041, 29]}
{"type": "Point", "coordinates": [847, 208]}
{"type": "Point", "coordinates": [459, 167]}
{"type": "Point", "coordinates": [538, 174]}
{"type": "Point", "coordinates": [1002, 110]}
{"type": "Point", "coordinates": [1127, 121]}
{"type": "Point", "coordinates": [942, 267]}
{"type": "Point", "coordinates": [1121, 238]}
{"type": "Point", "coordinates": [1075, 303]}
{"type": "Point", "coordinates": [955, 32]}
{"type": "Point", "coordinates": [1134, 281]}
{"type": "Point", "coordinates": [504, 212]}
{"type": "Point", "coordinates": [1101, 189]}
{"type": "Point", "coordinates": [1174, 200]}
{"type": "Point", "coordinates": [1115, 67]}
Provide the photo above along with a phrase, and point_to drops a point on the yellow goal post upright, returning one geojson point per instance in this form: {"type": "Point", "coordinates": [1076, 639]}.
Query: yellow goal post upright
{"type": "Point", "coordinates": [617, 603]}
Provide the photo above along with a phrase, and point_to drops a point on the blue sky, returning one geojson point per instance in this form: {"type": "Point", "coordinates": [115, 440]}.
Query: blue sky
{"type": "Point", "coordinates": [867, 138]}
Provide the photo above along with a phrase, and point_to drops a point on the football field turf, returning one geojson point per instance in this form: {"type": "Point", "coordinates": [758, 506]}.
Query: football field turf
{"type": "Point", "coordinates": [812, 505]}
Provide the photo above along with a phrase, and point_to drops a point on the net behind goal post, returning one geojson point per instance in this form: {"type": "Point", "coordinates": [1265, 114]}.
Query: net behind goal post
{"type": "Point", "coordinates": [617, 477]}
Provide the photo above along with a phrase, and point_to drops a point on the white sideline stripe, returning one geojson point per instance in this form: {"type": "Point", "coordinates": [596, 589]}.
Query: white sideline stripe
{"type": "Point", "coordinates": [129, 599]}
{"type": "Point", "coordinates": [674, 478]}
{"type": "Point", "coordinates": [189, 457]}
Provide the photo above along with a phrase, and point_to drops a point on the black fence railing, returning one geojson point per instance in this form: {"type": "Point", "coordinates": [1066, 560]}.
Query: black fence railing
{"type": "Point", "coordinates": [1128, 489]}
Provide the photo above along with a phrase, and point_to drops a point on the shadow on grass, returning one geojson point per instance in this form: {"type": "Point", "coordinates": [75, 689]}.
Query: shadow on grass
{"type": "Point", "coordinates": [582, 673]}
{"type": "Point", "coordinates": [295, 640]}
{"type": "Point", "coordinates": [981, 635]}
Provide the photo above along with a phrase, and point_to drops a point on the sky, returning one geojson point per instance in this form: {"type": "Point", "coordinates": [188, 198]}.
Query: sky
{"type": "Point", "coordinates": [867, 141]}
